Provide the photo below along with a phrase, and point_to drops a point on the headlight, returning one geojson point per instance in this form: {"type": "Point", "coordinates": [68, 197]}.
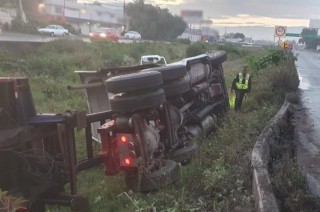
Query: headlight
{"type": "Point", "coordinates": [103, 35]}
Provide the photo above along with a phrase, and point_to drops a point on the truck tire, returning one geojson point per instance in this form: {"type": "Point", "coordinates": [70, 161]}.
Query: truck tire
{"type": "Point", "coordinates": [134, 82]}
{"type": "Point", "coordinates": [168, 174]}
{"type": "Point", "coordinates": [137, 101]}
{"type": "Point", "coordinates": [217, 58]}
{"type": "Point", "coordinates": [177, 87]}
{"type": "Point", "coordinates": [170, 72]}
{"type": "Point", "coordinates": [185, 154]}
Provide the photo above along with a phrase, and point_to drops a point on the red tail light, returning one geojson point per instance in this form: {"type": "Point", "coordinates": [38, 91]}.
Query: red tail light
{"type": "Point", "coordinates": [126, 149]}
{"type": "Point", "coordinates": [124, 139]}
{"type": "Point", "coordinates": [127, 161]}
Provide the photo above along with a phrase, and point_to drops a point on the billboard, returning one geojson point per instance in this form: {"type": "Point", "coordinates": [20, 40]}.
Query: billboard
{"type": "Point", "coordinates": [314, 23]}
{"type": "Point", "coordinates": [192, 16]}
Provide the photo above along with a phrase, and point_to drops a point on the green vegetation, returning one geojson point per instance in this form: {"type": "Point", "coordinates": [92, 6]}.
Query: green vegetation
{"type": "Point", "coordinates": [153, 22]}
{"type": "Point", "coordinates": [8, 202]}
{"type": "Point", "coordinates": [256, 63]}
{"type": "Point", "coordinates": [217, 180]}
{"type": "Point", "coordinates": [50, 67]}
{"type": "Point", "coordinates": [234, 52]}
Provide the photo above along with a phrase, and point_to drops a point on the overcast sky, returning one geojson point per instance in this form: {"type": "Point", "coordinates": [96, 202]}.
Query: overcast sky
{"type": "Point", "coordinates": [246, 13]}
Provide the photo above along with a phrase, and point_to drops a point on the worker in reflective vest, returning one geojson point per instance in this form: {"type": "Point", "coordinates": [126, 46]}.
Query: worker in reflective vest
{"type": "Point", "coordinates": [241, 85]}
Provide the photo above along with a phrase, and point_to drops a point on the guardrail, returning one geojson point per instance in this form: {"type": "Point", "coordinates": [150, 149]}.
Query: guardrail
{"type": "Point", "coordinates": [264, 197]}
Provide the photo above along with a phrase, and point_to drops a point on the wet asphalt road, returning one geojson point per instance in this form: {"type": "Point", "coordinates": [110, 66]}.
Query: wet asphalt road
{"type": "Point", "coordinates": [37, 38]}
{"type": "Point", "coordinates": [34, 38]}
{"type": "Point", "coordinates": [308, 66]}
{"type": "Point", "coordinates": [307, 119]}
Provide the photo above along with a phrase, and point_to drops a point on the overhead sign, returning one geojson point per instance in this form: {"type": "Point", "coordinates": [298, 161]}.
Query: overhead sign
{"type": "Point", "coordinates": [293, 35]}
{"type": "Point", "coordinates": [280, 31]}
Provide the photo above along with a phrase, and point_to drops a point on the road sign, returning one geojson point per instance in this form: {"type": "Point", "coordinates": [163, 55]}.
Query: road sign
{"type": "Point", "coordinates": [284, 44]}
{"type": "Point", "coordinates": [310, 36]}
{"type": "Point", "coordinates": [280, 31]}
{"type": "Point", "coordinates": [293, 35]}
{"type": "Point", "coordinates": [300, 35]}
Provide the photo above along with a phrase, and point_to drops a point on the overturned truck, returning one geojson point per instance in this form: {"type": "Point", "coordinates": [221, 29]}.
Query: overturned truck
{"type": "Point", "coordinates": [157, 113]}
{"type": "Point", "coordinates": [146, 118]}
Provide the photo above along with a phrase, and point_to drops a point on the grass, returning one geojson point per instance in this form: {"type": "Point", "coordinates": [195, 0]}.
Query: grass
{"type": "Point", "coordinates": [217, 180]}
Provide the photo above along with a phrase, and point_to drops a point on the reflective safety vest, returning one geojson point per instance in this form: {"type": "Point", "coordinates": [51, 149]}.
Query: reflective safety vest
{"type": "Point", "coordinates": [240, 84]}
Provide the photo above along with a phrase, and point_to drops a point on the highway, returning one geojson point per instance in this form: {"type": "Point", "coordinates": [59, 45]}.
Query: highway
{"type": "Point", "coordinates": [34, 38]}
{"type": "Point", "coordinates": [307, 118]}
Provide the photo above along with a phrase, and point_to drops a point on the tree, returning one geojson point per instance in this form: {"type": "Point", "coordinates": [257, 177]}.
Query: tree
{"type": "Point", "coordinates": [153, 22]}
{"type": "Point", "coordinates": [239, 35]}
{"type": "Point", "coordinates": [309, 36]}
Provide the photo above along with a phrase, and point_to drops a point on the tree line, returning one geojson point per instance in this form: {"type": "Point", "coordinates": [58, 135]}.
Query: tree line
{"type": "Point", "coordinates": [153, 22]}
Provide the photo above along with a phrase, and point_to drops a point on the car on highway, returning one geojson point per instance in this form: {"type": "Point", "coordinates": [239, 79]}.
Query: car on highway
{"type": "Point", "coordinates": [54, 30]}
{"type": "Point", "coordinates": [105, 33]}
{"type": "Point", "coordinates": [132, 35]}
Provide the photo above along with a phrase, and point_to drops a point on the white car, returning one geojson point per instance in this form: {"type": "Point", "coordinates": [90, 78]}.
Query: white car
{"type": "Point", "coordinates": [133, 35]}
{"type": "Point", "coordinates": [54, 30]}
{"type": "Point", "coordinates": [153, 59]}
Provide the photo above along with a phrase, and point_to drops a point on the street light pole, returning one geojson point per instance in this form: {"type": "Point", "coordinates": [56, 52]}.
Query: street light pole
{"type": "Point", "coordinates": [64, 9]}
{"type": "Point", "coordinates": [80, 11]}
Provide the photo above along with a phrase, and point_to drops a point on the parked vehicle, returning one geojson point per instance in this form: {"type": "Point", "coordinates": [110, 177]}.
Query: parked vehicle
{"type": "Point", "coordinates": [157, 114]}
{"type": "Point", "coordinates": [153, 59]}
{"type": "Point", "coordinates": [54, 30]}
{"type": "Point", "coordinates": [132, 35]}
{"type": "Point", "coordinates": [105, 33]}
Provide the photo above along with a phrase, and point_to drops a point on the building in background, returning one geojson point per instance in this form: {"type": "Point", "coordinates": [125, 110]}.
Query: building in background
{"type": "Point", "coordinates": [85, 17]}
{"type": "Point", "coordinates": [204, 34]}
{"type": "Point", "coordinates": [314, 24]}
{"type": "Point", "coordinates": [198, 28]}
{"type": "Point", "coordinates": [7, 15]}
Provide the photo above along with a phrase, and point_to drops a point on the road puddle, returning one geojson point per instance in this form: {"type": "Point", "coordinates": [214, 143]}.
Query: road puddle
{"type": "Point", "coordinates": [304, 83]}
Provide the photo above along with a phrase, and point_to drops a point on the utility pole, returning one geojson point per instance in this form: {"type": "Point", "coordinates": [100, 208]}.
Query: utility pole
{"type": "Point", "coordinates": [64, 9]}
{"type": "Point", "coordinates": [22, 14]}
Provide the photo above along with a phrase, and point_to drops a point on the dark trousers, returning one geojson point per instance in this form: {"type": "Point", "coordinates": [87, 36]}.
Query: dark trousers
{"type": "Point", "coordinates": [239, 98]}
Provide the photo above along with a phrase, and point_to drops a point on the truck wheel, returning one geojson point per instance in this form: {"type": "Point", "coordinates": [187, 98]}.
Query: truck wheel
{"type": "Point", "coordinates": [137, 101]}
{"type": "Point", "coordinates": [176, 87]}
{"type": "Point", "coordinates": [134, 82]}
{"type": "Point", "coordinates": [168, 174]}
{"type": "Point", "coordinates": [217, 58]}
{"type": "Point", "coordinates": [52, 34]}
{"type": "Point", "coordinates": [185, 154]}
{"type": "Point", "coordinates": [170, 72]}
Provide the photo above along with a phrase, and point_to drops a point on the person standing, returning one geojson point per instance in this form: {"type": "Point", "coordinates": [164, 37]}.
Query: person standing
{"type": "Point", "coordinates": [241, 85]}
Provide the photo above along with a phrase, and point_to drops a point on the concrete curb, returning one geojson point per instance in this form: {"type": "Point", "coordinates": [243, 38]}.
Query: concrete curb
{"type": "Point", "coordinates": [264, 197]}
